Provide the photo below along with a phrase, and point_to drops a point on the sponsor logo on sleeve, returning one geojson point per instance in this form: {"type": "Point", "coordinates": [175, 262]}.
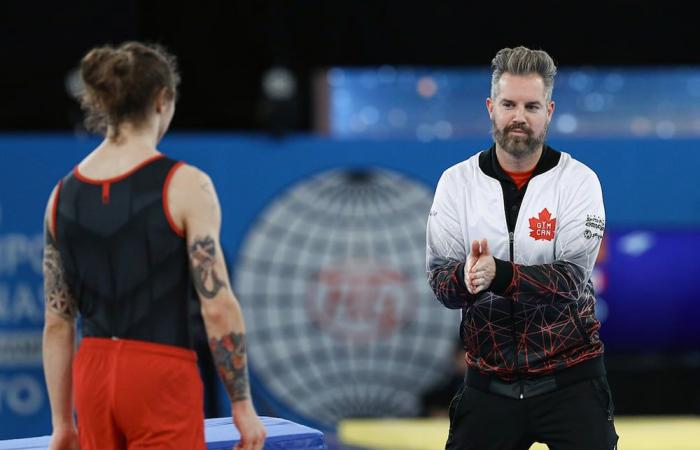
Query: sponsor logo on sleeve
{"type": "Point", "coordinates": [595, 226]}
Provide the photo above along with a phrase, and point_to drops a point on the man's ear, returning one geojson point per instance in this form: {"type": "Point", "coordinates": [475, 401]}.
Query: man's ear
{"type": "Point", "coordinates": [489, 107]}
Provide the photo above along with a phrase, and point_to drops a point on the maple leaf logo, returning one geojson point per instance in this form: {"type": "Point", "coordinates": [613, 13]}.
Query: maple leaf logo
{"type": "Point", "coordinates": [543, 226]}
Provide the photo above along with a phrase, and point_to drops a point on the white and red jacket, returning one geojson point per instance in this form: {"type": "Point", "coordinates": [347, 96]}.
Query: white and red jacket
{"type": "Point", "coordinates": [537, 317]}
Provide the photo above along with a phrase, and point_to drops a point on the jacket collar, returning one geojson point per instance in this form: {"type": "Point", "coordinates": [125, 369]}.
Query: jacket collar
{"type": "Point", "coordinates": [488, 163]}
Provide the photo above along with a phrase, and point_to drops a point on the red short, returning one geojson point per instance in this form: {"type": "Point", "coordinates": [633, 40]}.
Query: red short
{"type": "Point", "coordinates": [137, 395]}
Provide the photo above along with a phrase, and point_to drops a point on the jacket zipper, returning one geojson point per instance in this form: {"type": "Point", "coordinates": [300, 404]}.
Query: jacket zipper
{"type": "Point", "coordinates": [510, 239]}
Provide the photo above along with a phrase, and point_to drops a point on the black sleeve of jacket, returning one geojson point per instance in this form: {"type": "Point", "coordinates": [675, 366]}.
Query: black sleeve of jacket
{"type": "Point", "coordinates": [447, 282]}
{"type": "Point", "coordinates": [555, 282]}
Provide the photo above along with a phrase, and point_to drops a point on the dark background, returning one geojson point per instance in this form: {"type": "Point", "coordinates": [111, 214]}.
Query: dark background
{"type": "Point", "coordinates": [224, 47]}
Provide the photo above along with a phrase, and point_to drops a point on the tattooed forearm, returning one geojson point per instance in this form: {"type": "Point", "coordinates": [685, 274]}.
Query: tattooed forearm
{"type": "Point", "coordinates": [58, 297]}
{"type": "Point", "coordinates": [230, 358]}
{"type": "Point", "coordinates": [203, 259]}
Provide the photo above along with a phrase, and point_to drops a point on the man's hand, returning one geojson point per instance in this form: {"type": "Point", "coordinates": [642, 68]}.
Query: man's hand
{"type": "Point", "coordinates": [471, 262]}
{"type": "Point", "coordinates": [249, 426]}
{"type": "Point", "coordinates": [64, 439]}
{"type": "Point", "coordinates": [480, 268]}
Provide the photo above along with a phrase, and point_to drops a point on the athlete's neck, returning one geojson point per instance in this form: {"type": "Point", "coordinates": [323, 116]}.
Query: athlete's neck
{"type": "Point", "coordinates": [115, 156]}
{"type": "Point", "coordinates": [130, 135]}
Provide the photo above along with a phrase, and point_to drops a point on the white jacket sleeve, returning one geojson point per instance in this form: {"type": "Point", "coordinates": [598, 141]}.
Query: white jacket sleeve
{"type": "Point", "coordinates": [446, 252]}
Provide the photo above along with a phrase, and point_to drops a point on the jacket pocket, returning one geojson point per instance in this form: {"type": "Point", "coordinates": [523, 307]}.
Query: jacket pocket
{"type": "Point", "coordinates": [604, 395]}
{"type": "Point", "coordinates": [454, 403]}
{"type": "Point", "coordinates": [579, 324]}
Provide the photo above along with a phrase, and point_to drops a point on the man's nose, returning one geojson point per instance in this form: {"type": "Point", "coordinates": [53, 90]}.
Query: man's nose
{"type": "Point", "coordinates": [519, 115]}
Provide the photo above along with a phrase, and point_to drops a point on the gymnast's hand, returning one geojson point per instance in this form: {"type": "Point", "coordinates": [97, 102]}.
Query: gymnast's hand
{"type": "Point", "coordinates": [249, 426]}
{"type": "Point", "coordinates": [64, 439]}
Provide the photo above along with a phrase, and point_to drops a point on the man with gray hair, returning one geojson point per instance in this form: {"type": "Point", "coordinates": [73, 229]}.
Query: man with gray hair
{"type": "Point", "coordinates": [512, 238]}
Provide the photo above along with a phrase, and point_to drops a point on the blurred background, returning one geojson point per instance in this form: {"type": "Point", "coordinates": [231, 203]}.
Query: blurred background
{"type": "Point", "coordinates": [325, 126]}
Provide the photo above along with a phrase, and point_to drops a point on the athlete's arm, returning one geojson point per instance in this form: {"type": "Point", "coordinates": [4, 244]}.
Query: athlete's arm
{"type": "Point", "coordinates": [58, 340]}
{"type": "Point", "coordinates": [194, 207]}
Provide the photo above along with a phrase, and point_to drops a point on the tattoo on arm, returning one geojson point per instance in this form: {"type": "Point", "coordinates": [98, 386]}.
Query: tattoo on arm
{"type": "Point", "coordinates": [58, 296]}
{"type": "Point", "coordinates": [203, 259]}
{"type": "Point", "coordinates": [230, 358]}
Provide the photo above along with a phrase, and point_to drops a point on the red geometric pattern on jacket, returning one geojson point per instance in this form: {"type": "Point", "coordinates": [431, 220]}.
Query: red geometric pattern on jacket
{"type": "Point", "coordinates": [546, 318]}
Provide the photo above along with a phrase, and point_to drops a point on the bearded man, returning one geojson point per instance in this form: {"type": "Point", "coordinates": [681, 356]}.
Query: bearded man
{"type": "Point", "coordinates": [512, 238]}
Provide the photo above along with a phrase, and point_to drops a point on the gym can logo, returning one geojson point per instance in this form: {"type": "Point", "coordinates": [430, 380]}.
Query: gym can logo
{"type": "Point", "coordinates": [543, 227]}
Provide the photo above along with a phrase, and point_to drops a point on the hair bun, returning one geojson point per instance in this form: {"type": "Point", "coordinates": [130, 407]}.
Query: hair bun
{"type": "Point", "coordinates": [122, 63]}
{"type": "Point", "coordinates": [122, 83]}
{"type": "Point", "coordinates": [93, 64]}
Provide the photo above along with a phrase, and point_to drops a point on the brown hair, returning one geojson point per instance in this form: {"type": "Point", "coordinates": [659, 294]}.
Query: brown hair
{"type": "Point", "coordinates": [523, 61]}
{"type": "Point", "coordinates": [121, 83]}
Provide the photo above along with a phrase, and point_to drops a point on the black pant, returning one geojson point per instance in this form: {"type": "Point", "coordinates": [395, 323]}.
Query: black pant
{"type": "Point", "coordinates": [576, 417]}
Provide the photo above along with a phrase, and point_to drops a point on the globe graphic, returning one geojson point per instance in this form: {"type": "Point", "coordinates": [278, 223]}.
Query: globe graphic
{"type": "Point", "coordinates": [340, 319]}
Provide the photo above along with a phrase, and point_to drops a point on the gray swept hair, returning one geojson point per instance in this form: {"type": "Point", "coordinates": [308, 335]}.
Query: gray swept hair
{"type": "Point", "coordinates": [523, 61]}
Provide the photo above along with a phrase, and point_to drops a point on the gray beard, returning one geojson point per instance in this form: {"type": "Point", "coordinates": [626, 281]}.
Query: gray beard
{"type": "Point", "coordinates": [517, 146]}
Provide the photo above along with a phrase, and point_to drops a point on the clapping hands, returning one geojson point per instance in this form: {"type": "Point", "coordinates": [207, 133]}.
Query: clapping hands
{"type": "Point", "coordinates": [480, 269]}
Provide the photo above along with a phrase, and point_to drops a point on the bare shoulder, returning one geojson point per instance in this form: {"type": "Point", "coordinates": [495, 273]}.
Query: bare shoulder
{"type": "Point", "coordinates": [52, 199]}
{"type": "Point", "coordinates": [48, 213]}
{"type": "Point", "coordinates": [191, 194]}
{"type": "Point", "coordinates": [192, 185]}
{"type": "Point", "coordinates": [188, 176]}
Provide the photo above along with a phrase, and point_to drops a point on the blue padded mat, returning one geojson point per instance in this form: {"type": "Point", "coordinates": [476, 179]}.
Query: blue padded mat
{"type": "Point", "coordinates": [220, 435]}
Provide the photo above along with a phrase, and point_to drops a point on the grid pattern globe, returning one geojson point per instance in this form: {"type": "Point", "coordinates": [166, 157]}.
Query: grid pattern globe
{"type": "Point", "coordinates": [340, 319]}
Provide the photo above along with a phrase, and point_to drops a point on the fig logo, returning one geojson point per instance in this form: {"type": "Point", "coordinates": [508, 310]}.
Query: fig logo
{"type": "Point", "coordinates": [340, 319]}
{"type": "Point", "coordinates": [360, 301]}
